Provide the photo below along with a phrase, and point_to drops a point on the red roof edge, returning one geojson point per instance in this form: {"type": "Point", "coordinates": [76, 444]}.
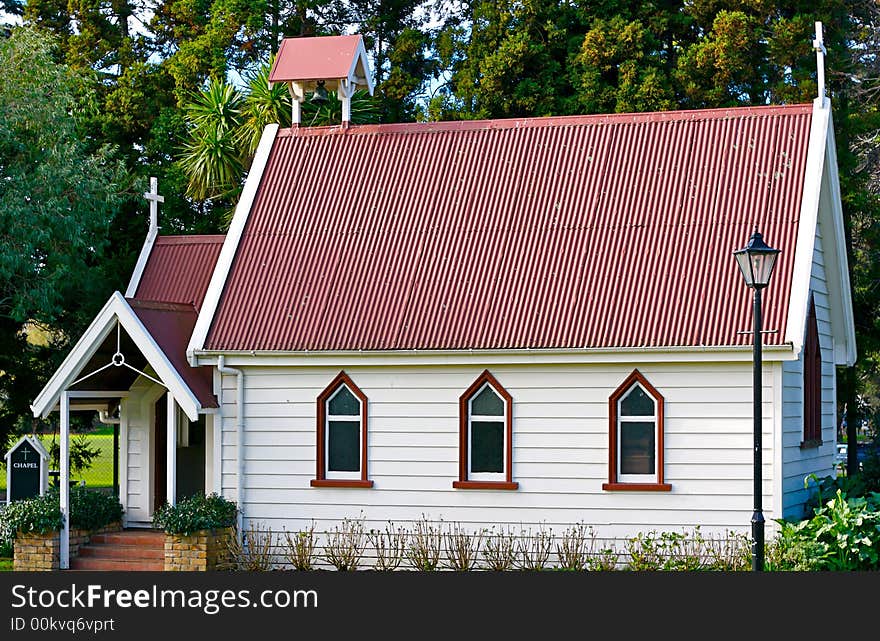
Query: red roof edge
{"type": "Point", "coordinates": [551, 121]}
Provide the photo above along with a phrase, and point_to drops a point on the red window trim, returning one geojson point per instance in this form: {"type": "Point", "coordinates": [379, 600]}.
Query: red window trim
{"type": "Point", "coordinates": [613, 484]}
{"type": "Point", "coordinates": [463, 482]}
{"type": "Point", "coordinates": [321, 479]}
{"type": "Point", "coordinates": [812, 381]}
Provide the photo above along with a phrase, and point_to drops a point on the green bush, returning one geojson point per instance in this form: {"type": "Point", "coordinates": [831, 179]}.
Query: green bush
{"type": "Point", "coordinates": [7, 534]}
{"type": "Point", "coordinates": [196, 513]}
{"type": "Point", "coordinates": [843, 534]}
{"type": "Point", "coordinates": [91, 509]}
{"type": "Point", "coordinates": [821, 489]}
{"type": "Point", "coordinates": [39, 515]}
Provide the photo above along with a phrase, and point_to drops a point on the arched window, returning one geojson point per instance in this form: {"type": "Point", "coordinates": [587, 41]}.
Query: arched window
{"type": "Point", "coordinates": [635, 447]}
{"type": "Point", "coordinates": [342, 436]}
{"type": "Point", "coordinates": [812, 381]}
{"type": "Point", "coordinates": [485, 437]}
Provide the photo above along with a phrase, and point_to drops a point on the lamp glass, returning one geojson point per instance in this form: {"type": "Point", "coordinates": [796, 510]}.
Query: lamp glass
{"type": "Point", "coordinates": [756, 261]}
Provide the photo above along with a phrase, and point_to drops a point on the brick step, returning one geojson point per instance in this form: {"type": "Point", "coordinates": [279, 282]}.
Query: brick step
{"type": "Point", "coordinates": [116, 565]}
{"type": "Point", "coordinates": [115, 551]}
{"type": "Point", "coordinates": [131, 537]}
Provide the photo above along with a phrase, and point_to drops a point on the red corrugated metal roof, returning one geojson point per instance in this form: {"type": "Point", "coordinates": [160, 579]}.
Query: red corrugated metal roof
{"type": "Point", "coordinates": [320, 58]}
{"type": "Point", "coordinates": [571, 232]}
{"type": "Point", "coordinates": [179, 269]}
{"type": "Point", "coordinates": [171, 326]}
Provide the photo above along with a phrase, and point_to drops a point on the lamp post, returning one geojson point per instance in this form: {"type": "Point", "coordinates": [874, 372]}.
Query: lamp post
{"type": "Point", "coordinates": [756, 261]}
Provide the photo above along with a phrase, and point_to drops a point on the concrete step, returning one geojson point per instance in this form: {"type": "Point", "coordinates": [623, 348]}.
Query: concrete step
{"type": "Point", "coordinates": [115, 551]}
{"type": "Point", "coordinates": [131, 537]}
{"type": "Point", "coordinates": [115, 565]}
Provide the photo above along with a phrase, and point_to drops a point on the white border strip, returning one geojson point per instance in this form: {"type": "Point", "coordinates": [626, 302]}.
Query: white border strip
{"type": "Point", "coordinates": [849, 329]}
{"type": "Point", "coordinates": [116, 308]}
{"type": "Point", "coordinates": [514, 357]}
{"type": "Point", "coordinates": [360, 55]}
{"type": "Point", "coordinates": [809, 212]}
{"type": "Point", "coordinates": [230, 244]}
{"type": "Point", "coordinates": [141, 264]}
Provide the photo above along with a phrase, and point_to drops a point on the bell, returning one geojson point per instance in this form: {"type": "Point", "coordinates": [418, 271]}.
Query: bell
{"type": "Point", "coordinates": [320, 95]}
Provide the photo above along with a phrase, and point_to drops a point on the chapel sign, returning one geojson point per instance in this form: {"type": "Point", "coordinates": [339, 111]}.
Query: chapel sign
{"type": "Point", "coordinates": [26, 469]}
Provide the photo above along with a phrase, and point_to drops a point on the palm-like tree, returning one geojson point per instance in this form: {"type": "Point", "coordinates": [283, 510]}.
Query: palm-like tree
{"type": "Point", "coordinates": [264, 103]}
{"type": "Point", "coordinates": [225, 127]}
{"type": "Point", "coordinates": [212, 159]}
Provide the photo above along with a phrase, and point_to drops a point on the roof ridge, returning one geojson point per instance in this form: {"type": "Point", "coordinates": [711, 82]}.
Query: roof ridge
{"type": "Point", "coordinates": [551, 121]}
{"type": "Point", "coordinates": [190, 239]}
{"type": "Point", "coordinates": [161, 305]}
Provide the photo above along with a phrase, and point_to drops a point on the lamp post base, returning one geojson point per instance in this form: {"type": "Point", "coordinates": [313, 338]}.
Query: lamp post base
{"type": "Point", "coordinates": [757, 541]}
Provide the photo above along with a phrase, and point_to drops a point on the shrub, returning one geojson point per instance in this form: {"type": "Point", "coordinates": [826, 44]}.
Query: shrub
{"type": "Point", "coordinates": [604, 559]}
{"type": "Point", "coordinates": [533, 550]}
{"type": "Point", "coordinates": [38, 515]}
{"type": "Point", "coordinates": [644, 553]}
{"type": "Point", "coordinates": [7, 534]}
{"type": "Point", "coordinates": [300, 548]}
{"type": "Point", "coordinates": [345, 545]}
{"type": "Point", "coordinates": [822, 489]}
{"type": "Point", "coordinates": [571, 550]}
{"type": "Point", "coordinates": [390, 547]}
{"type": "Point", "coordinates": [253, 553]}
{"type": "Point", "coordinates": [423, 549]}
{"type": "Point", "coordinates": [91, 509]}
{"type": "Point", "coordinates": [499, 554]}
{"type": "Point", "coordinates": [196, 513]}
{"type": "Point", "coordinates": [462, 548]}
{"type": "Point", "coordinates": [844, 534]}
{"type": "Point", "coordinates": [728, 553]}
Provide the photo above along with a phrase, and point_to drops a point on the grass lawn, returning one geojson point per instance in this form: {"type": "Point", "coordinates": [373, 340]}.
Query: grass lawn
{"type": "Point", "coordinates": [5, 565]}
{"type": "Point", "coordinates": [100, 474]}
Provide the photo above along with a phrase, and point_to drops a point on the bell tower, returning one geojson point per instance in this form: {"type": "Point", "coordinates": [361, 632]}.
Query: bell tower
{"type": "Point", "coordinates": [321, 64]}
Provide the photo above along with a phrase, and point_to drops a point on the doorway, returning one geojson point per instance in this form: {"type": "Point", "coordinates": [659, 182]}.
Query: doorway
{"type": "Point", "coordinates": [160, 450]}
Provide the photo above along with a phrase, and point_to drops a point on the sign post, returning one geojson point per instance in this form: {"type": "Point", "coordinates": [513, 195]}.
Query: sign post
{"type": "Point", "coordinates": [27, 473]}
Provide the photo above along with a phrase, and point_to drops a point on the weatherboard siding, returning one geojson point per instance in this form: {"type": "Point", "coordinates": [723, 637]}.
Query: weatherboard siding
{"type": "Point", "coordinates": [137, 416]}
{"type": "Point", "coordinates": [797, 462]}
{"type": "Point", "coordinates": [560, 447]}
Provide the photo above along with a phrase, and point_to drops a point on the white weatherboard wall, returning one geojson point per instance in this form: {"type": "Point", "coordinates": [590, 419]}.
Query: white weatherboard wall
{"type": "Point", "coordinates": [799, 463]}
{"type": "Point", "coordinates": [560, 457]}
{"type": "Point", "coordinates": [136, 430]}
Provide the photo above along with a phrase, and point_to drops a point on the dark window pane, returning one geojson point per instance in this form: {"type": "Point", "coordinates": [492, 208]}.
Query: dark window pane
{"type": "Point", "coordinates": [344, 403]}
{"type": "Point", "coordinates": [487, 403]}
{"type": "Point", "coordinates": [637, 403]}
{"type": "Point", "coordinates": [344, 447]}
{"type": "Point", "coordinates": [636, 448]}
{"type": "Point", "coordinates": [487, 446]}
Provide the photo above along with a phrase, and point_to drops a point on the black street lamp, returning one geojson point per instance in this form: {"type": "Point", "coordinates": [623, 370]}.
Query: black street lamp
{"type": "Point", "coordinates": [756, 261]}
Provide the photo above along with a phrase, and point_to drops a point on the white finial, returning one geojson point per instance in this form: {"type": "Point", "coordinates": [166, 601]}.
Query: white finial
{"type": "Point", "coordinates": [819, 46]}
{"type": "Point", "coordinates": [154, 198]}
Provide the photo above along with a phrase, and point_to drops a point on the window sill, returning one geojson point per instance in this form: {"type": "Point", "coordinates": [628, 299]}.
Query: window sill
{"type": "Point", "coordinates": [637, 487]}
{"type": "Point", "coordinates": [484, 485]}
{"type": "Point", "coordinates": [813, 442]}
{"type": "Point", "coordinates": [340, 483]}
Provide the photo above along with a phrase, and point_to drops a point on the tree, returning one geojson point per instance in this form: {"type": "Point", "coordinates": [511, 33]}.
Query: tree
{"type": "Point", "coordinates": [57, 201]}
{"type": "Point", "coordinates": [396, 35]}
{"type": "Point", "coordinates": [225, 126]}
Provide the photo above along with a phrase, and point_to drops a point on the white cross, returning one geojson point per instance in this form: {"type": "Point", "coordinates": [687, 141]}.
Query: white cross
{"type": "Point", "coordinates": [24, 452]}
{"type": "Point", "coordinates": [819, 46]}
{"type": "Point", "coordinates": [154, 198]}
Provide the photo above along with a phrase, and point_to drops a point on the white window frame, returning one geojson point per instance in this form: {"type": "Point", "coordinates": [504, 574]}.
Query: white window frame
{"type": "Point", "coordinates": [636, 478]}
{"type": "Point", "coordinates": [328, 417]}
{"type": "Point", "coordinates": [487, 476]}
